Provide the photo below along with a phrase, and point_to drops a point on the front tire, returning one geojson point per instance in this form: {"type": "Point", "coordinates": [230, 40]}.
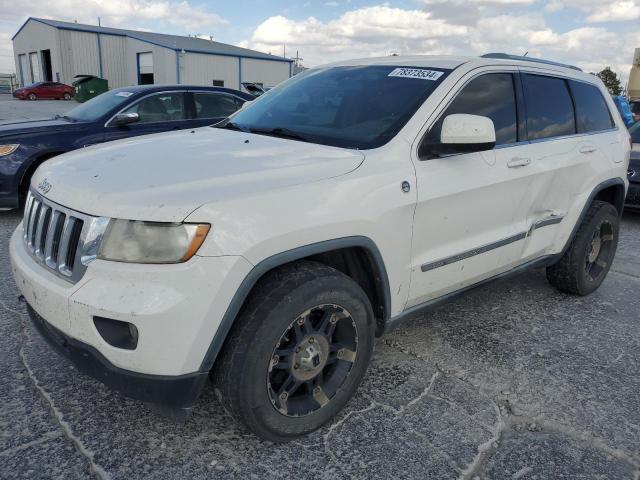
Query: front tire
{"type": "Point", "coordinates": [584, 266]}
{"type": "Point", "coordinates": [298, 351]}
{"type": "Point", "coordinates": [66, 96]}
{"type": "Point", "coordinates": [32, 96]}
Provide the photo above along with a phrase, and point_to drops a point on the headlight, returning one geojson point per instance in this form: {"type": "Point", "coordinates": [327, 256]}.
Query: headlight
{"type": "Point", "coordinates": [151, 242]}
{"type": "Point", "coordinates": [8, 149]}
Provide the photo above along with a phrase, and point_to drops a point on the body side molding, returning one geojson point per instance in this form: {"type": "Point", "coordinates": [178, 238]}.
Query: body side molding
{"type": "Point", "coordinates": [545, 222]}
{"type": "Point", "coordinates": [382, 283]}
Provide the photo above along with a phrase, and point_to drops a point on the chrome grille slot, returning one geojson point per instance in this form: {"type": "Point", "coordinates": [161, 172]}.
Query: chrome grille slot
{"type": "Point", "coordinates": [55, 236]}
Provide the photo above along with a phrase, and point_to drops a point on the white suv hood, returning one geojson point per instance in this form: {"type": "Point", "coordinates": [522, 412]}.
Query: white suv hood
{"type": "Point", "coordinates": [164, 177]}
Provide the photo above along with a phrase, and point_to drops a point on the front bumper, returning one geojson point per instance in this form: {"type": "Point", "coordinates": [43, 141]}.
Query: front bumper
{"type": "Point", "coordinates": [176, 309]}
{"type": "Point", "coordinates": [172, 391]}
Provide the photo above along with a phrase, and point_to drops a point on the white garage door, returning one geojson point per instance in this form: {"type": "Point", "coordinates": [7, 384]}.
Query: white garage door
{"type": "Point", "coordinates": [35, 67]}
{"type": "Point", "coordinates": [25, 74]}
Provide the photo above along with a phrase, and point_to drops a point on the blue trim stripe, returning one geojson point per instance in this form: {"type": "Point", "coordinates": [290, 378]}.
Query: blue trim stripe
{"type": "Point", "coordinates": [99, 55]}
{"type": "Point", "coordinates": [178, 67]}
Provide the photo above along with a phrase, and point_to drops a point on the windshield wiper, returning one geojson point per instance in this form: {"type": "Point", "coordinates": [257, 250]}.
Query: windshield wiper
{"type": "Point", "coordinates": [279, 132]}
{"type": "Point", "coordinates": [66, 117]}
{"type": "Point", "coordinates": [231, 126]}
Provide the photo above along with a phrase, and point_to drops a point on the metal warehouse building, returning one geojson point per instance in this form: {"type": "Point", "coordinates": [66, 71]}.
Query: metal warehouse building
{"type": "Point", "coordinates": [50, 50]}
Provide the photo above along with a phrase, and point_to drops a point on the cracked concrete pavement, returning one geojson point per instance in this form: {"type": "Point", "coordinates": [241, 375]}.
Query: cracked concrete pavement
{"type": "Point", "coordinates": [512, 381]}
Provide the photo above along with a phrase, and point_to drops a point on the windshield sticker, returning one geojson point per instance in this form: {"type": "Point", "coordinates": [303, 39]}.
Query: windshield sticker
{"type": "Point", "coordinates": [419, 73]}
{"type": "Point", "coordinates": [124, 94]}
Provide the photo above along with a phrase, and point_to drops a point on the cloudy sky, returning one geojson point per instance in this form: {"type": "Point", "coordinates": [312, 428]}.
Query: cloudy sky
{"type": "Point", "coordinates": [588, 33]}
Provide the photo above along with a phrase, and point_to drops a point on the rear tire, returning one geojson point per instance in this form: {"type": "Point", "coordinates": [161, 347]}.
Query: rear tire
{"type": "Point", "coordinates": [66, 96]}
{"type": "Point", "coordinates": [297, 352]}
{"type": "Point", "coordinates": [584, 266]}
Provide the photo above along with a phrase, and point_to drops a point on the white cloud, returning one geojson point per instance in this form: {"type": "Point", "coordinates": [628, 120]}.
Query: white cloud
{"type": "Point", "coordinates": [378, 30]}
{"type": "Point", "coordinates": [382, 30]}
{"type": "Point", "coordinates": [600, 10]}
{"type": "Point", "coordinates": [118, 13]}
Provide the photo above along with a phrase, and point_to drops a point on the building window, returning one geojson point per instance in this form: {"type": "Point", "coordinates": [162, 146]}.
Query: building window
{"type": "Point", "coordinates": [145, 68]}
{"type": "Point", "coordinates": [218, 83]}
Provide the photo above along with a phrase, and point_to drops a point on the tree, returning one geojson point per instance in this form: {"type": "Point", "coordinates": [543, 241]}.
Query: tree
{"type": "Point", "coordinates": [610, 80]}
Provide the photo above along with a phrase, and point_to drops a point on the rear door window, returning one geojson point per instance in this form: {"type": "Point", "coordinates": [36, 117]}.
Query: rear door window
{"type": "Point", "coordinates": [162, 107]}
{"type": "Point", "coordinates": [592, 113]}
{"type": "Point", "coordinates": [491, 95]}
{"type": "Point", "coordinates": [549, 107]}
{"type": "Point", "coordinates": [215, 105]}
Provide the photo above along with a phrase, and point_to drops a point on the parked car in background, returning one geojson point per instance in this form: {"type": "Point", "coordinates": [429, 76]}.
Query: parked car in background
{"type": "Point", "coordinates": [633, 196]}
{"type": "Point", "coordinates": [255, 89]}
{"type": "Point", "coordinates": [623, 106]}
{"type": "Point", "coordinates": [120, 113]}
{"type": "Point", "coordinates": [635, 109]}
{"type": "Point", "coordinates": [45, 91]}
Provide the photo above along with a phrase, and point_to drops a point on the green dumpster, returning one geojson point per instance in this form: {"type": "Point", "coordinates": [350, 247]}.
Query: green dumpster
{"type": "Point", "coordinates": [89, 86]}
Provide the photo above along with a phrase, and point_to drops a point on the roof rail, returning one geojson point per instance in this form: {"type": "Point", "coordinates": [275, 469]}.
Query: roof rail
{"type": "Point", "coordinates": [506, 56]}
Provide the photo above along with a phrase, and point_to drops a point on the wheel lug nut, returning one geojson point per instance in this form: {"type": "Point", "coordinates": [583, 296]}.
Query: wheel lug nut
{"type": "Point", "coordinates": [296, 366]}
{"type": "Point", "coordinates": [340, 353]}
{"type": "Point", "coordinates": [297, 349]}
{"type": "Point", "coordinates": [311, 339]}
{"type": "Point", "coordinates": [301, 321]}
{"type": "Point", "coordinates": [316, 390]}
{"type": "Point", "coordinates": [275, 359]}
{"type": "Point", "coordinates": [284, 396]}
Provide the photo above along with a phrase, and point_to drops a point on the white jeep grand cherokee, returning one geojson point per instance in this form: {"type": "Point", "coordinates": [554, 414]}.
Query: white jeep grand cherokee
{"type": "Point", "coordinates": [269, 251]}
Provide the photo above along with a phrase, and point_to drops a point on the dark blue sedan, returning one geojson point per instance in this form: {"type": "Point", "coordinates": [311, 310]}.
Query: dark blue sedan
{"type": "Point", "coordinates": [119, 113]}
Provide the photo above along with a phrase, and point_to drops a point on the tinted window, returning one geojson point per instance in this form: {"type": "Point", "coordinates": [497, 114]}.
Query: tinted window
{"type": "Point", "coordinates": [491, 95]}
{"type": "Point", "coordinates": [549, 107]}
{"type": "Point", "coordinates": [353, 107]}
{"type": "Point", "coordinates": [163, 107]}
{"type": "Point", "coordinates": [215, 105]}
{"type": "Point", "coordinates": [592, 113]}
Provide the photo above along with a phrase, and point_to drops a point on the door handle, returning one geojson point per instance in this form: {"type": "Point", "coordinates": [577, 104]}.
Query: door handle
{"type": "Point", "coordinates": [518, 162]}
{"type": "Point", "coordinates": [588, 149]}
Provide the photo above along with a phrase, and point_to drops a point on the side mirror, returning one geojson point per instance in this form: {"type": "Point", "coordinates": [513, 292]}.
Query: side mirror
{"type": "Point", "coordinates": [464, 133]}
{"type": "Point", "coordinates": [125, 119]}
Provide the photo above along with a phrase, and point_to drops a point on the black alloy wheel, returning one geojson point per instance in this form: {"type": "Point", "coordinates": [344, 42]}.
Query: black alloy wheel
{"type": "Point", "coordinates": [312, 360]}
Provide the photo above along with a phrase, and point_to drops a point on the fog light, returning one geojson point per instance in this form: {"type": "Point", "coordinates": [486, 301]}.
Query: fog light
{"type": "Point", "coordinates": [117, 333]}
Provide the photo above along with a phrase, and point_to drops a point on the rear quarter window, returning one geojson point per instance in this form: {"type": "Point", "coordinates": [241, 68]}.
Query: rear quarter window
{"type": "Point", "coordinates": [549, 107]}
{"type": "Point", "coordinates": [592, 113]}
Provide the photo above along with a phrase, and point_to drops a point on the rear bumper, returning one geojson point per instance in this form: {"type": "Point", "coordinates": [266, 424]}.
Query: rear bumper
{"type": "Point", "coordinates": [172, 391]}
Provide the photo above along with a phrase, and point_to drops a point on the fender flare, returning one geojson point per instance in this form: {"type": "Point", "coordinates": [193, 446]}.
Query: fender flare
{"type": "Point", "coordinates": [283, 258]}
{"type": "Point", "coordinates": [612, 182]}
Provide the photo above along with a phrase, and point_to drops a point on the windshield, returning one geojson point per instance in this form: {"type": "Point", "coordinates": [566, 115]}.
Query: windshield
{"type": "Point", "coordinates": [351, 107]}
{"type": "Point", "coordinates": [99, 106]}
{"type": "Point", "coordinates": [634, 130]}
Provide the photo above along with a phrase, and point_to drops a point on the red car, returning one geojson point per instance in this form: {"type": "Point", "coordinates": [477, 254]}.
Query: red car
{"type": "Point", "coordinates": [45, 90]}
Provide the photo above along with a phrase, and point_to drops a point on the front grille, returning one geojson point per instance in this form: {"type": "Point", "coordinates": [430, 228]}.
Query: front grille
{"type": "Point", "coordinates": [60, 239]}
